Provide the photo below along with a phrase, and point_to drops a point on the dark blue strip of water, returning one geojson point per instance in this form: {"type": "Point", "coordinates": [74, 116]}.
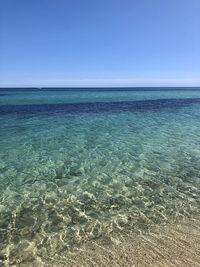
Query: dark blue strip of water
{"type": "Point", "coordinates": [96, 107]}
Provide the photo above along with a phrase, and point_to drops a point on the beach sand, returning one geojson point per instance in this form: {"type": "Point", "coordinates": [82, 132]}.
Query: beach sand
{"type": "Point", "coordinates": [171, 245]}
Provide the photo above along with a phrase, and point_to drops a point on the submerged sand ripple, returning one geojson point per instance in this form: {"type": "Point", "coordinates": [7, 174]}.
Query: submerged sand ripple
{"type": "Point", "coordinates": [171, 245]}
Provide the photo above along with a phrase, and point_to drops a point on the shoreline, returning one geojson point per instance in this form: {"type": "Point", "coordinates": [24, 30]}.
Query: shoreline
{"type": "Point", "coordinates": [170, 245]}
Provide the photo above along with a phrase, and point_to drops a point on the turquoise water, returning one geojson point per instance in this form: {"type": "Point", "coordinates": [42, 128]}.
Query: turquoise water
{"type": "Point", "coordinates": [92, 164]}
{"type": "Point", "coordinates": [84, 95]}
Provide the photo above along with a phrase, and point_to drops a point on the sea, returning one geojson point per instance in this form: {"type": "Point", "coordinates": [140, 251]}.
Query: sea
{"type": "Point", "coordinates": [85, 165]}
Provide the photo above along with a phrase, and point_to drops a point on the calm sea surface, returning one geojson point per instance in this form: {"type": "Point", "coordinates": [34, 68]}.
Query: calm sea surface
{"type": "Point", "coordinates": [91, 164]}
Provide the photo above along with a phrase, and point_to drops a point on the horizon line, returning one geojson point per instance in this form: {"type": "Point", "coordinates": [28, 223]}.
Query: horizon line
{"type": "Point", "coordinates": [93, 87]}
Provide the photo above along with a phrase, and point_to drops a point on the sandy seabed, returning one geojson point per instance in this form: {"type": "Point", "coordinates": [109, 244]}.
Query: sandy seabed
{"type": "Point", "coordinates": [171, 245]}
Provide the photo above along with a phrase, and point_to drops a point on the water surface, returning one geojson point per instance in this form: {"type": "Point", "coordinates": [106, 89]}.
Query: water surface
{"type": "Point", "coordinates": [93, 164]}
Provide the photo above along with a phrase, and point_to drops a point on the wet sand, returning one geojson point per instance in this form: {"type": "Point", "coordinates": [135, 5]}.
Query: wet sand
{"type": "Point", "coordinates": [171, 245]}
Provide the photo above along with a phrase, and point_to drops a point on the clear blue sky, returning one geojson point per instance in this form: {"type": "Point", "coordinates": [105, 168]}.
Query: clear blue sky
{"type": "Point", "coordinates": [99, 42]}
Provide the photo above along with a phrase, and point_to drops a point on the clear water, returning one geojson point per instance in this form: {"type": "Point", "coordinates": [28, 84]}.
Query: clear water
{"type": "Point", "coordinates": [82, 165]}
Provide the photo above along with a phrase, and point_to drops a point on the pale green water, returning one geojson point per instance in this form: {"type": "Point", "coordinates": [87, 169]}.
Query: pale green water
{"type": "Point", "coordinates": [75, 173]}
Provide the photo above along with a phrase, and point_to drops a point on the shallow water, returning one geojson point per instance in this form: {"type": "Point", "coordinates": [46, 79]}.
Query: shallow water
{"type": "Point", "coordinates": [85, 165]}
